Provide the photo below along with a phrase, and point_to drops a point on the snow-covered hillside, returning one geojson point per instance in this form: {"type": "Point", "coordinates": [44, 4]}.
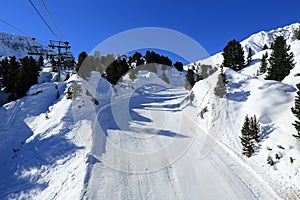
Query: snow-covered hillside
{"type": "Point", "coordinates": [15, 45]}
{"type": "Point", "coordinates": [139, 140]}
{"type": "Point", "coordinates": [257, 41]}
{"type": "Point", "coordinates": [271, 102]}
{"type": "Point", "coordinates": [149, 138]}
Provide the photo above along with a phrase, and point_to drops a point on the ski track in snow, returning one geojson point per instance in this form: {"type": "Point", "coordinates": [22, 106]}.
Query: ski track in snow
{"type": "Point", "coordinates": [188, 177]}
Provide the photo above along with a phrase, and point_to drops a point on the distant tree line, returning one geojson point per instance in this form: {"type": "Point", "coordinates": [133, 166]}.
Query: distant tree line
{"type": "Point", "coordinates": [114, 68]}
{"type": "Point", "coordinates": [19, 75]}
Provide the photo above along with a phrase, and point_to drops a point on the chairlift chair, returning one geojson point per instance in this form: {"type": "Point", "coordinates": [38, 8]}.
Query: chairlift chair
{"type": "Point", "coordinates": [34, 49]}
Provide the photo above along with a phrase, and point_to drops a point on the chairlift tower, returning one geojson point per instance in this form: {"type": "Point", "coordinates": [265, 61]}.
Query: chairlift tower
{"type": "Point", "coordinates": [59, 45]}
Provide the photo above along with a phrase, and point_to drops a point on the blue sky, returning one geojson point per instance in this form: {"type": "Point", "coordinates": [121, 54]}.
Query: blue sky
{"type": "Point", "coordinates": [211, 23]}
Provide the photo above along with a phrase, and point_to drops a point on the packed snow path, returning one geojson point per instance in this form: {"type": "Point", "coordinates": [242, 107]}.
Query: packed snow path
{"type": "Point", "coordinates": [152, 151]}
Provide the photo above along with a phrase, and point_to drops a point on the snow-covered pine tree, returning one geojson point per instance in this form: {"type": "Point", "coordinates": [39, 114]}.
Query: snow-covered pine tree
{"type": "Point", "coordinates": [265, 47]}
{"type": "Point", "coordinates": [297, 34]}
{"type": "Point", "coordinates": [178, 66]}
{"type": "Point", "coordinates": [263, 64]}
{"type": "Point", "coordinates": [233, 55]}
{"type": "Point", "coordinates": [249, 57]}
{"type": "Point", "coordinates": [220, 89]}
{"type": "Point", "coordinates": [247, 138]}
{"type": "Point", "coordinates": [281, 60]}
{"type": "Point", "coordinates": [254, 128]}
{"type": "Point", "coordinates": [40, 62]}
{"type": "Point", "coordinates": [81, 57]}
{"type": "Point", "coordinates": [190, 79]}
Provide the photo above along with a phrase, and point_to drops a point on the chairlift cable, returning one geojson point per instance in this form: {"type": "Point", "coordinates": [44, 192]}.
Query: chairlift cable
{"type": "Point", "coordinates": [14, 27]}
{"type": "Point", "coordinates": [42, 18]}
{"type": "Point", "coordinates": [51, 18]}
{"type": "Point", "coordinates": [20, 30]}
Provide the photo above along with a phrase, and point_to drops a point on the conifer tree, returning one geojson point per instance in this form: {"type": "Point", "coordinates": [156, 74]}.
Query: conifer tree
{"type": "Point", "coordinates": [5, 73]}
{"type": "Point", "coordinates": [254, 128]}
{"type": "Point", "coordinates": [281, 61]}
{"type": "Point", "coordinates": [297, 34]}
{"type": "Point", "coordinates": [250, 135]}
{"type": "Point", "coordinates": [41, 61]}
{"type": "Point", "coordinates": [178, 66]}
{"type": "Point", "coordinates": [132, 74]}
{"type": "Point", "coordinates": [296, 112]}
{"type": "Point", "coordinates": [190, 79]}
{"type": "Point", "coordinates": [220, 89]}
{"type": "Point", "coordinates": [116, 70]}
{"type": "Point", "coordinates": [152, 57]}
{"type": "Point", "coordinates": [81, 57]}
{"type": "Point", "coordinates": [265, 47]}
{"type": "Point", "coordinates": [19, 76]}
{"type": "Point", "coordinates": [10, 69]}
{"type": "Point", "coordinates": [233, 55]}
{"type": "Point", "coordinates": [246, 139]}
{"type": "Point", "coordinates": [249, 57]}
{"type": "Point", "coordinates": [137, 58]}
{"type": "Point", "coordinates": [263, 64]}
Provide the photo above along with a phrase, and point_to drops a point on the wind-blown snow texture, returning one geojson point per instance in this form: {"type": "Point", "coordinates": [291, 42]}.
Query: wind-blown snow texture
{"type": "Point", "coordinates": [148, 139]}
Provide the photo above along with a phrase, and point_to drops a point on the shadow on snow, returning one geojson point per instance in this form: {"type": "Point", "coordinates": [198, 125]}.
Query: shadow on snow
{"type": "Point", "coordinates": [147, 97]}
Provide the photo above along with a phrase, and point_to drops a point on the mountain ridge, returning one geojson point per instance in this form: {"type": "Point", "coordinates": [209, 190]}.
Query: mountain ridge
{"type": "Point", "coordinates": [19, 46]}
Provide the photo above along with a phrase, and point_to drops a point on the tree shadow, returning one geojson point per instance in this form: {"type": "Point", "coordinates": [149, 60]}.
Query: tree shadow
{"type": "Point", "coordinates": [238, 96]}
{"type": "Point", "coordinates": [154, 100]}
{"type": "Point", "coordinates": [166, 133]}
{"type": "Point", "coordinates": [23, 171]}
{"type": "Point", "coordinates": [266, 131]}
{"type": "Point", "coordinates": [144, 98]}
{"type": "Point", "coordinates": [254, 61]}
{"type": "Point", "coordinates": [23, 163]}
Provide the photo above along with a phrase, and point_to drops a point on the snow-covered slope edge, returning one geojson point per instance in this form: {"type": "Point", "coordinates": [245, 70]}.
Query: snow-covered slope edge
{"type": "Point", "coordinates": [44, 148]}
{"type": "Point", "coordinates": [270, 101]}
{"type": "Point", "coordinates": [51, 143]}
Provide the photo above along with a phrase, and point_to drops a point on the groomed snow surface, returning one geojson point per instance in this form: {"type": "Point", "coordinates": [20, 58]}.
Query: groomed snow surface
{"type": "Point", "coordinates": [148, 139]}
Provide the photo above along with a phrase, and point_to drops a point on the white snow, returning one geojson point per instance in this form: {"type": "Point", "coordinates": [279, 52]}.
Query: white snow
{"type": "Point", "coordinates": [19, 46]}
{"type": "Point", "coordinates": [150, 138]}
{"type": "Point", "coordinates": [271, 102]}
